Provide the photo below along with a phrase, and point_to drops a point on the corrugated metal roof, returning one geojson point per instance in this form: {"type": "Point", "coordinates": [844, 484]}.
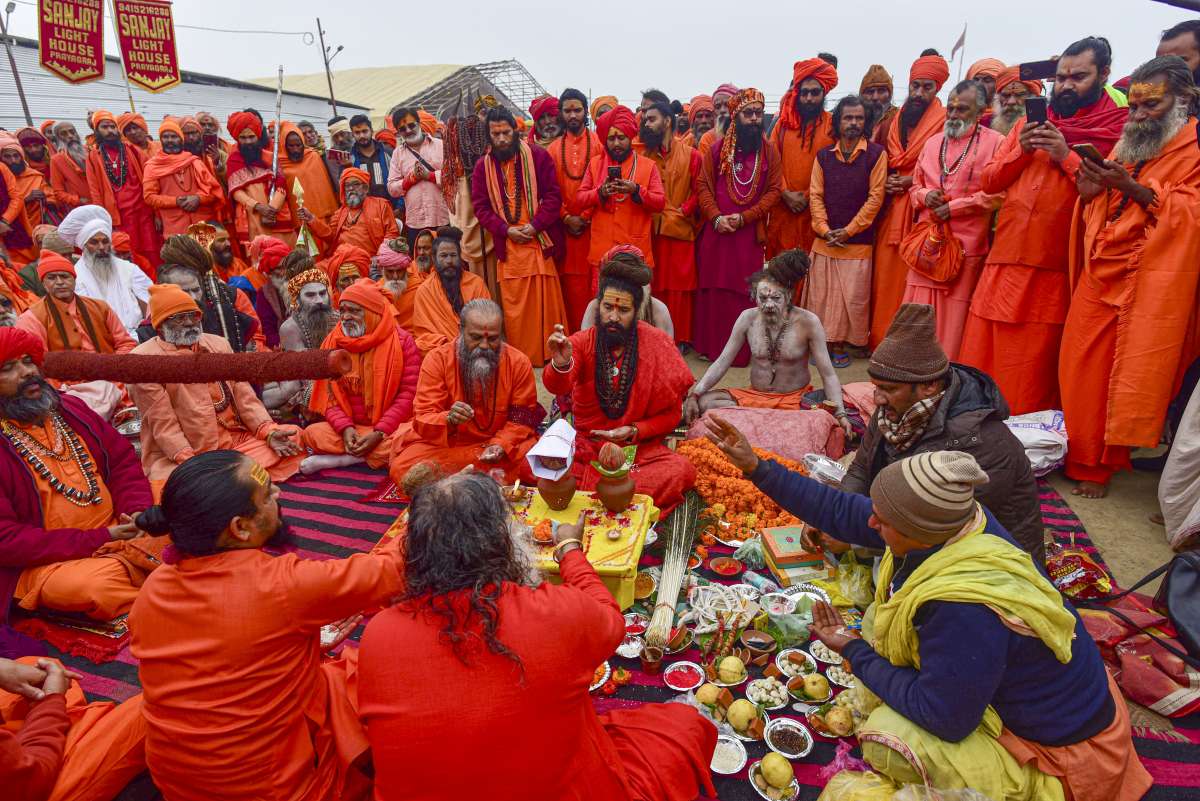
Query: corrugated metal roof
{"type": "Point", "coordinates": [377, 88]}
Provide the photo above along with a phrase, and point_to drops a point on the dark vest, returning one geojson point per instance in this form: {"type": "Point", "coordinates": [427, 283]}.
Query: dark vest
{"type": "Point", "coordinates": [847, 187]}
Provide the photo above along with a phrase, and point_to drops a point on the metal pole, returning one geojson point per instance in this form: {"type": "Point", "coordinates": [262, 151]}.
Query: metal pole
{"type": "Point", "coordinates": [962, 54]}
{"type": "Point", "coordinates": [328, 74]}
{"type": "Point", "coordinates": [275, 141]}
{"type": "Point", "coordinates": [121, 56]}
{"type": "Point", "coordinates": [12, 62]}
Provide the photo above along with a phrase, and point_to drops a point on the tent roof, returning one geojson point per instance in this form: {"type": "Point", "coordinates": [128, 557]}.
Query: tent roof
{"type": "Point", "coordinates": [376, 88]}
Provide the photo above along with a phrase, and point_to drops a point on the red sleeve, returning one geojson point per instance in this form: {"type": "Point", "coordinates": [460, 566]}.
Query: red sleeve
{"type": "Point", "coordinates": [1007, 164]}
{"type": "Point", "coordinates": [608, 625]}
{"type": "Point", "coordinates": [693, 199]}
{"type": "Point", "coordinates": [588, 196]}
{"type": "Point", "coordinates": [337, 417]}
{"type": "Point", "coordinates": [31, 759]}
{"type": "Point", "coordinates": [402, 407]}
{"type": "Point", "coordinates": [559, 383]}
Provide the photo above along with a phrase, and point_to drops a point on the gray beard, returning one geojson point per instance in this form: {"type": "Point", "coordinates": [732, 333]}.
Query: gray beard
{"type": "Point", "coordinates": [353, 329]}
{"type": "Point", "coordinates": [424, 266]}
{"type": "Point", "coordinates": [77, 153]}
{"type": "Point", "coordinates": [957, 129]}
{"type": "Point", "coordinates": [25, 410]}
{"type": "Point", "coordinates": [101, 264]}
{"type": "Point", "coordinates": [320, 319]}
{"type": "Point", "coordinates": [280, 284]}
{"type": "Point", "coordinates": [182, 336]}
{"type": "Point", "coordinates": [1004, 120]}
{"type": "Point", "coordinates": [395, 287]}
{"type": "Point", "coordinates": [354, 201]}
{"type": "Point", "coordinates": [1142, 141]}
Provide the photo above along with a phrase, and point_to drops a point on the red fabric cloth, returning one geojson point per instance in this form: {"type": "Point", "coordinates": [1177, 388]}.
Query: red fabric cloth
{"type": "Point", "coordinates": [1100, 124]}
{"type": "Point", "coordinates": [621, 117]}
{"type": "Point", "coordinates": [543, 106]}
{"type": "Point", "coordinates": [17, 342]}
{"type": "Point", "coordinates": [31, 758]}
{"type": "Point", "coordinates": [823, 71]}
{"type": "Point", "coordinates": [240, 121]}
{"type": "Point", "coordinates": [527, 734]}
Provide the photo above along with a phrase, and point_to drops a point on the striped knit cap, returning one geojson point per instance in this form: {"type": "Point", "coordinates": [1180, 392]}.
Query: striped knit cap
{"type": "Point", "coordinates": [928, 497]}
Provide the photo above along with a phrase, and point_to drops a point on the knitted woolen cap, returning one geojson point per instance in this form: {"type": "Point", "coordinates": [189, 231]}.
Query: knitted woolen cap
{"type": "Point", "coordinates": [928, 497]}
{"type": "Point", "coordinates": [910, 353]}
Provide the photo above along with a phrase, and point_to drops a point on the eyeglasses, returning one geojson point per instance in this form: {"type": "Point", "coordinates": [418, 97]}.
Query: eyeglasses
{"type": "Point", "coordinates": [412, 126]}
{"type": "Point", "coordinates": [810, 92]}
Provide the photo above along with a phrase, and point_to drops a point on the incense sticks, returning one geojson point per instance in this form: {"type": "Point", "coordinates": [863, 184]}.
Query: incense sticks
{"type": "Point", "coordinates": [674, 567]}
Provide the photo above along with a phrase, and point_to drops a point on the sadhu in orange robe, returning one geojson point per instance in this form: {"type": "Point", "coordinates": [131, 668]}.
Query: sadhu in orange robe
{"type": "Point", "coordinates": [168, 177]}
{"type": "Point", "coordinates": [518, 192]}
{"type": "Point", "coordinates": [320, 195]}
{"type": "Point", "coordinates": [21, 215]}
{"type": "Point", "coordinates": [889, 272]}
{"type": "Point", "coordinates": [237, 700]}
{"type": "Point", "coordinates": [1132, 331]}
{"type": "Point", "coordinates": [506, 414]}
{"type": "Point", "coordinates": [435, 320]}
{"type": "Point", "coordinates": [367, 227]}
{"type": "Point", "coordinates": [572, 153]}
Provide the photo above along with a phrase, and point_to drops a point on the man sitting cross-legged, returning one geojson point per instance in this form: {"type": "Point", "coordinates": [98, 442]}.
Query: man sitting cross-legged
{"type": "Point", "coordinates": [438, 303]}
{"type": "Point", "coordinates": [237, 701]}
{"type": "Point", "coordinates": [71, 486]}
{"type": "Point", "coordinates": [363, 408]}
{"type": "Point", "coordinates": [782, 338]}
{"type": "Point", "coordinates": [476, 401]}
{"type": "Point", "coordinates": [627, 382]}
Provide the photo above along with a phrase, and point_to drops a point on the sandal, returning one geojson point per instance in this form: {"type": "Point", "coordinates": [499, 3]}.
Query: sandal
{"type": "Point", "coordinates": [841, 360]}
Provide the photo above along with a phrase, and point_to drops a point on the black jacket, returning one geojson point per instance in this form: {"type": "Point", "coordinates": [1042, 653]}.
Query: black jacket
{"type": "Point", "coordinates": [970, 418]}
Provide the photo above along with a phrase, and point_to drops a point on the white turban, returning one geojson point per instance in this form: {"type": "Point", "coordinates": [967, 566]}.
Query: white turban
{"type": "Point", "coordinates": [84, 222]}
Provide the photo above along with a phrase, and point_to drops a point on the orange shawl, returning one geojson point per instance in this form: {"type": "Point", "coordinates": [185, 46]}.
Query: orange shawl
{"type": "Point", "coordinates": [319, 196]}
{"type": "Point", "coordinates": [377, 357]}
{"type": "Point", "coordinates": [903, 160]}
{"type": "Point", "coordinates": [167, 164]}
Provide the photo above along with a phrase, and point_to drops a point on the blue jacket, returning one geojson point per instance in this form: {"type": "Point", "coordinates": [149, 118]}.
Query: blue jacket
{"type": "Point", "coordinates": [968, 658]}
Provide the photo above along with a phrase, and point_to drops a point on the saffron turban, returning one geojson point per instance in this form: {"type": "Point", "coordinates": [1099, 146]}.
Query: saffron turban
{"type": "Point", "coordinates": [167, 300]}
{"type": "Point", "coordinates": [271, 252]}
{"type": "Point", "coordinates": [429, 123]}
{"type": "Point", "coordinates": [128, 117]}
{"type": "Point", "coordinates": [368, 294]}
{"type": "Point", "coordinates": [602, 100]}
{"type": "Point", "coordinates": [100, 116]}
{"type": "Point", "coordinates": [543, 106]}
{"type": "Point", "coordinates": [743, 98]}
{"type": "Point", "coordinates": [84, 222]}
{"type": "Point", "coordinates": [355, 173]}
{"type": "Point", "coordinates": [725, 89]}
{"type": "Point", "coordinates": [390, 258]}
{"type": "Point", "coordinates": [350, 256]}
{"type": "Point", "coordinates": [17, 342]}
{"type": "Point", "coordinates": [9, 142]}
{"type": "Point", "coordinates": [815, 68]}
{"type": "Point", "coordinates": [121, 243]}
{"type": "Point", "coordinates": [46, 126]}
{"type": "Point", "coordinates": [29, 136]}
{"type": "Point", "coordinates": [170, 125]}
{"type": "Point", "coordinates": [240, 121]}
{"type": "Point", "coordinates": [187, 122]}
{"type": "Point", "coordinates": [700, 103]}
{"type": "Point", "coordinates": [617, 117]}
{"type": "Point", "coordinates": [990, 67]}
{"type": "Point", "coordinates": [51, 262]}
{"type": "Point", "coordinates": [876, 76]}
{"type": "Point", "coordinates": [930, 68]}
{"type": "Point", "coordinates": [387, 137]}
{"type": "Point", "coordinates": [1013, 75]}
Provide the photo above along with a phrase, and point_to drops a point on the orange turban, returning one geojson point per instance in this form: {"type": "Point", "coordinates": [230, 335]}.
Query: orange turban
{"type": "Point", "coordinates": [128, 117]}
{"type": "Point", "coordinates": [822, 71]}
{"type": "Point", "coordinates": [700, 103]}
{"type": "Point", "coordinates": [347, 174]}
{"type": "Point", "coordinates": [350, 255]}
{"type": "Point", "coordinates": [1013, 75]}
{"type": "Point", "coordinates": [368, 294]}
{"type": "Point", "coordinates": [171, 125]}
{"type": "Point", "coordinates": [743, 98]}
{"type": "Point", "coordinates": [930, 68]}
{"type": "Point", "coordinates": [45, 127]}
{"type": "Point", "coordinates": [51, 262]}
{"type": "Point", "coordinates": [386, 136]}
{"type": "Point", "coordinates": [602, 100]}
{"type": "Point", "coordinates": [990, 67]}
{"type": "Point", "coordinates": [618, 117]}
{"type": "Point", "coordinates": [17, 342]}
{"type": "Point", "coordinates": [167, 300]}
{"type": "Point", "coordinates": [100, 116]}
{"type": "Point", "coordinates": [240, 121]}
{"type": "Point", "coordinates": [429, 123]}
{"type": "Point", "coordinates": [121, 243]}
{"type": "Point", "coordinates": [187, 122]}
{"type": "Point", "coordinates": [876, 76]}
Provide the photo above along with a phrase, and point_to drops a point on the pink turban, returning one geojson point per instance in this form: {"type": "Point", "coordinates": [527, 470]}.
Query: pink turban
{"type": "Point", "coordinates": [930, 68]}
{"type": "Point", "coordinates": [725, 89]}
{"type": "Point", "coordinates": [392, 259]}
{"type": "Point", "coordinates": [618, 117]}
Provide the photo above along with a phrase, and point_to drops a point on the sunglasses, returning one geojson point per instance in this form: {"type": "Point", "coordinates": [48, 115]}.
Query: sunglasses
{"type": "Point", "coordinates": [810, 92]}
{"type": "Point", "coordinates": [412, 126]}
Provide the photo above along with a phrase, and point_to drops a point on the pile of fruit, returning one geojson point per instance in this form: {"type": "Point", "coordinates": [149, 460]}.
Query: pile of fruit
{"type": "Point", "coordinates": [732, 499]}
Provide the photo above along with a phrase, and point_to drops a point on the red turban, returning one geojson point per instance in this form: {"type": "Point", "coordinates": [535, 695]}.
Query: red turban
{"type": "Point", "coordinates": [51, 262]}
{"type": "Point", "coordinates": [347, 174]}
{"type": "Point", "coordinates": [822, 71]}
{"type": "Point", "coordinates": [930, 68]}
{"type": "Point", "coordinates": [1013, 75]}
{"type": "Point", "coordinates": [351, 255]}
{"type": "Point", "coordinates": [100, 116]}
{"type": "Point", "coordinates": [17, 342]}
{"type": "Point", "coordinates": [121, 243]}
{"type": "Point", "coordinates": [171, 125]}
{"type": "Point", "coordinates": [240, 121]}
{"type": "Point", "coordinates": [624, 248]}
{"type": "Point", "coordinates": [273, 250]}
{"type": "Point", "coordinates": [618, 117]}
{"type": "Point", "coordinates": [985, 66]}
{"type": "Point", "coordinates": [368, 294]}
{"type": "Point", "coordinates": [543, 106]}
{"type": "Point", "coordinates": [29, 136]}
{"type": "Point", "coordinates": [700, 103]}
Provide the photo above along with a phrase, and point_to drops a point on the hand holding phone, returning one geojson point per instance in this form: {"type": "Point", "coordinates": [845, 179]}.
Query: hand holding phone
{"type": "Point", "coordinates": [1087, 150]}
{"type": "Point", "coordinates": [1038, 70]}
{"type": "Point", "coordinates": [614, 173]}
{"type": "Point", "coordinates": [1035, 110]}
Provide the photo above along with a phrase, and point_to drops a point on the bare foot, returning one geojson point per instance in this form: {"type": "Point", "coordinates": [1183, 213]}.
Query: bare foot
{"type": "Point", "coordinates": [319, 462]}
{"type": "Point", "coordinates": [1157, 519]}
{"type": "Point", "coordinates": [1090, 489]}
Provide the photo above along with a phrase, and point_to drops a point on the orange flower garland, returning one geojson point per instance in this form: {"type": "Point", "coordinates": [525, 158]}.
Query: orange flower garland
{"type": "Point", "coordinates": [730, 496]}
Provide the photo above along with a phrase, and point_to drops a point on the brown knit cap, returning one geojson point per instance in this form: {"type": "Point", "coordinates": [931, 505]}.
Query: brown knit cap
{"type": "Point", "coordinates": [928, 497]}
{"type": "Point", "coordinates": [910, 353]}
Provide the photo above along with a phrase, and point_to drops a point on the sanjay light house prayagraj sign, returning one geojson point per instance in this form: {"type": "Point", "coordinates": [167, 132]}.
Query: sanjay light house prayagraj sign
{"type": "Point", "coordinates": [71, 39]}
{"type": "Point", "coordinates": [146, 33]}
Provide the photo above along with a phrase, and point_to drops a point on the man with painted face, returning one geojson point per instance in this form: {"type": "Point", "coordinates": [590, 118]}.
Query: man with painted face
{"type": "Point", "coordinates": [476, 402]}
{"type": "Point", "coordinates": [303, 164]}
{"type": "Point", "coordinates": [261, 197]}
{"type": "Point", "coordinates": [178, 185]}
{"type": "Point", "coordinates": [627, 382]}
{"type": "Point", "coordinates": [622, 190]}
{"type": "Point", "coordinates": [920, 118]}
{"type": "Point", "coordinates": [362, 220]}
{"type": "Point", "coordinates": [114, 176]}
{"type": "Point", "coordinates": [312, 318]}
{"type": "Point", "coordinates": [783, 339]}
{"type": "Point", "coordinates": [572, 153]}
{"type": "Point", "coordinates": [415, 174]}
{"type": "Point", "coordinates": [438, 303]}
{"type": "Point", "coordinates": [803, 129]}
{"type": "Point", "coordinates": [363, 408]}
{"type": "Point", "coordinates": [1131, 331]}
{"type": "Point", "coordinates": [740, 181]}
{"type": "Point", "coordinates": [182, 420]}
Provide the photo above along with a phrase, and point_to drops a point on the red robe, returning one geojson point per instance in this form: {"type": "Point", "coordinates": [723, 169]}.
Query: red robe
{"type": "Point", "coordinates": [655, 407]}
{"type": "Point", "coordinates": [572, 153]}
{"type": "Point", "coordinates": [125, 203]}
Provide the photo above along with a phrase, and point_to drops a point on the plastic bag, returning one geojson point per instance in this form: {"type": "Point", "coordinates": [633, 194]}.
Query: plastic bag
{"type": "Point", "coordinates": [850, 785]}
{"type": "Point", "coordinates": [750, 554]}
{"type": "Point", "coordinates": [1076, 574]}
{"type": "Point", "coordinates": [854, 580]}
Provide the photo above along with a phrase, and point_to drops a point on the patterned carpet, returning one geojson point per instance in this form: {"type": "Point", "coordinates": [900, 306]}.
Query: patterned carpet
{"type": "Point", "coordinates": [330, 517]}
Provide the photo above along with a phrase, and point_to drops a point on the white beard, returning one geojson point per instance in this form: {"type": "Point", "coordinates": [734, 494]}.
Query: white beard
{"type": "Point", "coordinates": [395, 287]}
{"type": "Point", "coordinates": [353, 329]}
{"type": "Point", "coordinates": [957, 129]}
{"type": "Point", "coordinates": [182, 337]}
{"type": "Point", "coordinates": [1002, 122]}
{"type": "Point", "coordinates": [1142, 142]}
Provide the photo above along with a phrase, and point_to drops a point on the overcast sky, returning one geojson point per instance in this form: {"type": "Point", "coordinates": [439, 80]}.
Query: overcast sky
{"type": "Point", "coordinates": [622, 48]}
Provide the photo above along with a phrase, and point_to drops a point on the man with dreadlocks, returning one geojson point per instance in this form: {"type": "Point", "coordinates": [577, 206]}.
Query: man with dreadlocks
{"type": "Point", "coordinates": [227, 312]}
{"type": "Point", "coordinates": [476, 402]}
{"type": "Point", "coordinates": [464, 143]}
{"type": "Point", "coordinates": [515, 194]}
{"type": "Point", "coordinates": [311, 320]}
{"type": "Point", "coordinates": [438, 303]}
{"type": "Point", "coordinates": [740, 181]}
{"type": "Point", "coordinates": [782, 339]}
{"type": "Point", "coordinates": [627, 381]}
{"type": "Point", "coordinates": [629, 261]}
{"type": "Point", "coordinates": [572, 153]}
{"type": "Point", "coordinates": [509, 658]}
{"type": "Point", "coordinates": [803, 129]}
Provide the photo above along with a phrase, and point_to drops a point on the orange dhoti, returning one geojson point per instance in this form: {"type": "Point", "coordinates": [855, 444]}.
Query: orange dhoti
{"type": "Point", "coordinates": [576, 278]}
{"type": "Point", "coordinates": [105, 747]}
{"type": "Point", "coordinates": [321, 438]}
{"type": "Point", "coordinates": [889, 277]}
{"type": "Point", "coordinates": [756, 399]}
{"type": "Point", "coordinates": [675, 281]}
{"type": "Point", "coordinates": [838, 291]}
{"type": "Point", "coordinates": [100, 587]}
{"type": "Point", "coordinates": [531, 298]}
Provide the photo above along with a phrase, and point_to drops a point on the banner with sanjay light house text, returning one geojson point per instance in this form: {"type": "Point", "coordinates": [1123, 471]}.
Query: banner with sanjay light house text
{"type": "Point", "coordinates": [71, 39]}
{"type": "Point", "coordinates": [146, 34]}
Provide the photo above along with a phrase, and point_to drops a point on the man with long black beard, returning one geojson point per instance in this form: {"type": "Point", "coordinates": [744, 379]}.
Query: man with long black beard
{"type": "Point", "coordinates": [58, 516]}
{"type": "Point", "coordinates": [627, 382]}
{"type": "Point", "coordinates": [572, 153]}
{"type": "Point", "coordinates": [179, 185]}
{"type": "Point", "coordinates": [920, 118]}
{"type": "Point", "coordinates": [437, 304]}
{"type": "Point", "coordinates": [68, 176]}
{"type": "Point", "coordinates": [1131, 331]}
{"type": "Point", "coordinates": [803, 129]}
{"type": "Point", "coordinates": [476, 402]}
{"type": "Point", "coordinates": [260, 195]}
{"type": "Point", "coordinates": [114, 177]}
